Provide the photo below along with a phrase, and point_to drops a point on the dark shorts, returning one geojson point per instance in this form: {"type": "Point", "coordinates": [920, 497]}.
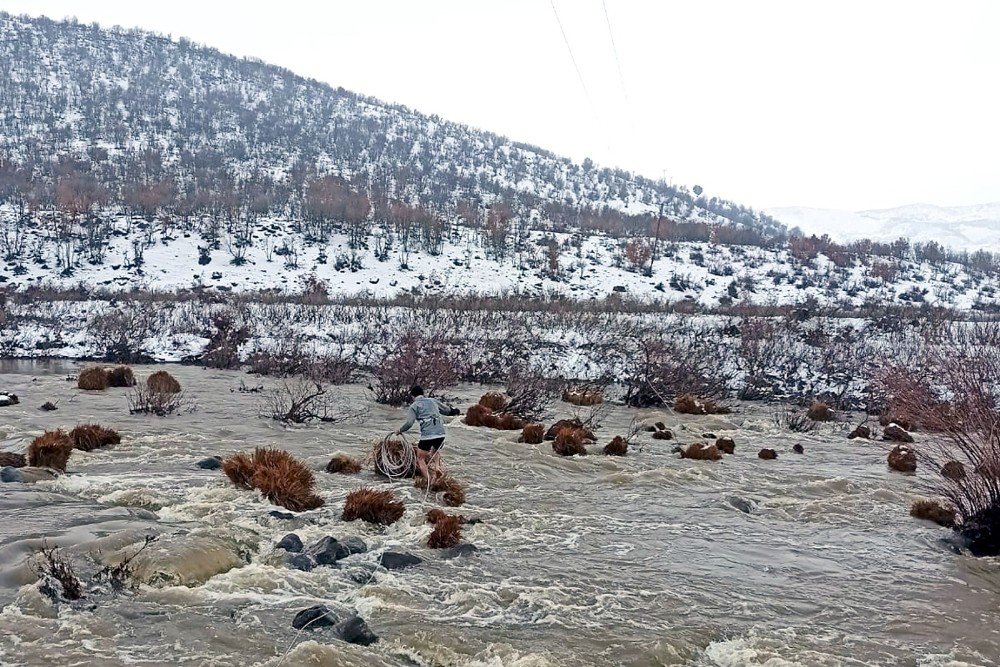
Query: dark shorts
{"type": "Point", "coordinates": [431, 445]}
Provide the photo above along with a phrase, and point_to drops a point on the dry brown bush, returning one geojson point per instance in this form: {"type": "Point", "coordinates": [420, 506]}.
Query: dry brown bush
{"type": "Point", "coordinates": [493, 401]}
{"type": "Point", "coordinates": [87, 437]}
{"type": "Point", "coordinates": [767, 454]}
{"type": "Point", "coordinates": [933, 510]}
{"type": "Point", "coordinates": [480, 415]}
{"type": "Point", "coordinates": [52, 449]}
{"type": "Point", "coordinates": [569, 442]}
{"type": "Point", "coordinates": [617, 447]}
{"type": "Point", "coordinates": [953, 470]}
{"type": "Point", "coordinates": [343, 464]}
{"type": "Point", "coordinates": [373, 506]}
{"type": "Point", "coordinates": [279, 476]}
{"type": "Point", "coordinates": [447, 532]}
{"type": "Point", "coordinates": [689, 404]}
{"type": "Point", "coordinates": [162, 382]}
{"type": "Point", "coordinates": [819, 412]}
{"type": "Point", "coordinates": [94, 378]}
{"type": "Point", "coordinates": [10, 459]}
{"type": "Point", "coordinates": [508, 422]}
{"type": "Point", "coordinates": [903, 459]}
{"type": "Point", "coordinates": [532, 434]}
{"type": "Point", "coordinates": [726, 445]}
{"type": "Point", "coordinates": [583, 395]}
{"type": "Point", "coordinates": [701, 452]}
{"type": "Point", "coordinates": [121, 376]}
{"type": "Point", "coordinates": [663, 435]}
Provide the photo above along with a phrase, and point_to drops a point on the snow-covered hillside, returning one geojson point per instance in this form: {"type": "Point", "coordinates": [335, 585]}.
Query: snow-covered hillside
{"type": "Point", "coordinates": [961, 227]}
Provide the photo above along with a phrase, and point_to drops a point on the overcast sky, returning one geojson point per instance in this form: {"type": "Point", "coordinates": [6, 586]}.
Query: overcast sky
{"type": "Point", "coordinates": [842, 104]}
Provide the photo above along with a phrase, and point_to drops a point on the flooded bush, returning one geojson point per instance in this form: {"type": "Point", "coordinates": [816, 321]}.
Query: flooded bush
{"type": "Point", "coordinates": [373, 506]}
{"type": "Point", "coordinates": [569, 442]}
{"type": "Point", "coordinates": [699, 451]}
{"type": "Point", "coordinates": [53, 570]}
{"type": "Point", "coordinates": [279, 476]}
{"type": "Point", "coordinates": [933, 510]}
{"type": "Point", "coordinates": [447, 532]}
{"type": "Point", "coordinates": [508, 422]}
{"type": "Point", "coordinates": [94, 378]}
{"type": "Point", "coordinates": [144, 401]}
{"type": "Point", "coordinates": [230, 332]}
{"type": "Point", "coordinates": [583, 395]}
{"type": "Point", "coordinates": [689, 404]}
{"type": "Point", "coordinates": [10, 459]}
{"type": "Point", "coordinates": [493, 401]}
{"type": "Point", "coordinates": [343, 464]}
{"type": "Point", "coordinates": [52, 449]}
{"type": "Point", "coordinates": [480, 415]}
{"type": "Point", "coordinates": [301, 400]}
{"type": "Point", "coordinates": [663, 365]}
{"type": "Point", "coordinates": [767, 454]}
{"type": "Point", "coordinates": [452, 490]}
{"type": "Point", "coordinates": [87, 437]}
{"type": "Point", "coordinates": [532, 434]}
{"type": "Point", "coordinates": [162, 382]}
{"type": "Point", "coordinates": [902, 459]}
{"type": "Point", "coordinates": [416, 359]}
{"type": "Point", "coordinates": [121, 376]}
{"type": "Point", "coordinates": [726, 445]}
{"type": "Point", "coordinates": [819, 412]}
{"type": "Point", "coordinates": [530, 393]}
{"type": "Point", "coordinates": [617, 447]}
{"type": "Point", "coordinates": [794, 421]}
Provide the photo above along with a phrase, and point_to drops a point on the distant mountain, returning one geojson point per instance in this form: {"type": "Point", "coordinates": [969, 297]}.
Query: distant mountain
{"type": "Point", "coordinates": [190, 128]}
{"type": "Point", "coordinates": [961, 227]}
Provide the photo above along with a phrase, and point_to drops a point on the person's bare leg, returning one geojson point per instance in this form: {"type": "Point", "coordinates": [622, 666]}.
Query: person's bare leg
{"type": "Point", "coordinates": [422, 465]}
{"type": "Point", "coordinates": [435, 462]}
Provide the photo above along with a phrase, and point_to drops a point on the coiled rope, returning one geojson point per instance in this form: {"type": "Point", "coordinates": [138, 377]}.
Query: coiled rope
{"type": "Point", "coordinates": [392, 461]}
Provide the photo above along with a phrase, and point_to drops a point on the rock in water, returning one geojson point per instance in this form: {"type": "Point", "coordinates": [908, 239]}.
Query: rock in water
{"type": "Point", "coordinates": [743, 505]}
{"type": "Point", "coordinates": [8, 399]}
{"type": "Point", "coordinates": [798, 449]}
{"type": "Point", "coordinates": [903, 459]}
{"type": "Point", "coordinates": [27, 475]}
{"type": "Point", "coordinates": [463, 549]}
{"type": "Point", "coordinates": [896, 433]}
{"type": "Point", "coordinates": [318, 616]}
{"type": "Point", "coordinates": [861, 431]}
{"type": "Point", "coordinates": [354, 630]}
{"type": "Point", "coordinates": [726, 445]}
{"type": "Point", "coordinates": [278, 514]}
{"type": "Point", "coordinates": [9, 474]}
{"type": "Point", "coordinates": [394, 560]}
{"type": "Point", "coordinates": [328, 551]}
{"type": "Point", "coordinates": [355, 545]}
{"type": "Point", "coordinates": [767, 453]}
{"type": "Point", "coordinates": [290, 542]}
{"type": "Point", "coordinates": [301, 562]}
{"type": "Point", "coordinates": [211, 463]}
{"type": "Point", "coordinates": [12, 459]}
{"type": "Point", "coordinates": [186, 560]}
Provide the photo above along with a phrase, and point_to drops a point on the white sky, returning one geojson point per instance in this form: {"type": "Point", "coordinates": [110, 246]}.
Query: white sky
{"type": "Point", "coordinates": [842, 104]}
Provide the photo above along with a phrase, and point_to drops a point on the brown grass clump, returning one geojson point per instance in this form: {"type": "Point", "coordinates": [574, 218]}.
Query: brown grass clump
{"type": "Point", "coordinates": [767, 454]}
{"type": "Point", "coordinates": [701, 452]}
{"type": "Point", "coordinates": [819, 412]}
{"type": "Point", "coordinates": [454, 493]}
{"type": "Point", "coordinates": [94, 378]}
{"type": "Point", "coordinates": [569, 424]}
{"type": "Point", "coordinates": [932, 510]}
{"type": "Point", "coordinates": [861, 431]}
{"type": "Point", "coordinates": [374, 506]}
{"type": "Point", "coordinates": [903, 459]}
{"type": "Point", "coordinates": [569, 442]}
{"type": "Point", "coordinates": [12, 460]}
{"type": "Point", "coordinates": [532, 434]}
{"type": "Point", "coordinates": [689, 404]}
{"type": "Point", "coordinates": [87, 437]}
{"type": "Point", "coordinates": [436, 514]}
{"type": "Point", "coordinates": [447, 532]}
{"type": "Point", "coordinates": [953, 470]}
{"type": "Point", "coordinates": [121, 376]}
{"type": "Point", "coordinates": [617, 447]}
{"type": "Point", "coordinates": [726, 445]}
{"type": "Point", "coordinates": [896, 433]}
{"type": "Point", "coordinates": [890, 418]}
{"type": "Point", "coordinates": [583, 396]}
{"type": "Point", "coordinates": [279, 476]}
{"type": "Point", "coordinates": [493, 401]}
{"type": "Point", "coordinates": [508, 422]}
{"type": "Point", "coordinates": [664, 434]}
{"type": "Point", "coordinates": [50, 450]}
{"type": "Point", "coordinates": [239, 469]}
{"type": "Point", "coordinates": [480, 415]}
{"type": "Point", "coordinates": [162, 382]}
{"type": "Point", "coordinates": [343, 464]}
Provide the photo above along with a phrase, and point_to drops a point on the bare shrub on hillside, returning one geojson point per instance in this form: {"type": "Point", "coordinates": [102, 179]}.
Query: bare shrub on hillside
{"type": "Point", "coordinates": [661, 367]}
{"type": "Point", "coordinates": [290, 359]}
{"type": "Point", "coordinates": [230, 331]}
{"type": "Point", "coordinates": [530, 393]}
{"type": "Point", "coordinates": [301, 400]}
{"type": "Point", "coordinates": [121, 333]}
{"type": "Point", "coordinates": [417, 359]}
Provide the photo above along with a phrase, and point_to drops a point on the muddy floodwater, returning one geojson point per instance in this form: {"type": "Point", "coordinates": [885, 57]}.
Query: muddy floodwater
{"type": "Point", "coordinates": [810, 559]}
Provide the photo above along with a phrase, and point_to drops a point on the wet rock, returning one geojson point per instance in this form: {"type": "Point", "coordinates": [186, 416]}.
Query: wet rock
{"type": "Point", "coordinates": [211, 463]}
{"type": "Point", "coordinates": [798, 449]}
{"type": "Point", "coordinates": [767, 454]}
{"type": "Point", "coordinates": [328, 551]}
{"type": "Point", "coordinates": [278, 514]}
{"type": "Point", "coordinates": [953, 470]}
{"type": "Point", "coordinates": [186, 560]}
{"type": "Point", "coordinates": [896, 433]}
{"type": "Point", "coordinates": [395, 560]}
{"type": "Point", "coordinates": [726, 445]}
{"type": "Point", "coordinates": [48, 406]}
{"type": "Point", "coordinates": [354, 545]}
{"type": "Point", "coordinates": [354, 630]}
{"type": "Point", "coordinates": [743, 505]}
{"type": "Point", "coordinates": [300, 562]}
{"type": "Point", "coordinates": [663, 435]}
{"type": "Point", "coordinates": [361, 573]}
{"type": "Point", "coordinates": [8, 399]}
{"type": "Point", "coordinates": [27, 475]}
{"type": "Point", "coordinates": [709, 436]}
{"type": "Point", "coordinates": [902, 459]}
{"type": "Point", "coordinates": [677, 449]}
{"type": "Point", "coordinates": [660, 426]}
{"type": "Point", "coordinates": [318, 616]}
{"type": "Point", "coordinates": [290, 542]}
{"type": "Point", "coordinates": [13, 460]}
{"type": "Point", "coordinates": [861, 431]}
{"type": "Point", "coordinates": [650, 428]}
{"type": "Point", "coordinates": [460, 550]}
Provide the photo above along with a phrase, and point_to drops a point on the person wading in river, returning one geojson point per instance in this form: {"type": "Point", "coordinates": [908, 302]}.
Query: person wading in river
{"type": "Point", "coordinates": [427, 412]}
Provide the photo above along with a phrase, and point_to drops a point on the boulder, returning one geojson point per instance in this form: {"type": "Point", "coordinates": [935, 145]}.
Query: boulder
{"type": "Point", "coordinates": [354, 545]}
{"type": "Point", "coordinates": [354, 630]}
{"type": "Point", "coordinates": [328, 551]}
{"type": "Point", "coordinates": [742, 504]}
{"type": "Point", "coordinates": [663, 435]}
{"type": "Point", "coordinates": [317, 616]}
{"type": "Point", "coordinates": [798, 449]}
{"type": "Point", "coordinates": [767, 454]}
{"type": "Point", "coordinates": [395, 560]}
{"type": "Point", "coordinates": [48, 406]}
{"type": "Point", "coordinates": [709, 436]}
{"type": "Point", "coordinates": [185, 560]}
{"type": "Point", "coordinates": [726, 445]}
{"type": "Point", "coordinates": [300, 562]}
{"type": "Point", "coordinates": [211, 463]}
{"type": "Point", "coordinates": [896, 433]}
{"type": "Point", "coordinates": [903, 459]}
{"type": "Point", "coordinates": [290, 542]}
{"type": "Point", "coordinates": [27, 475]}
{"type": "Point", "coordinates": [861, 431]}
{"type": "Point", "coordinates": [278, 514]}
{"type": "Point", "coordinates": [459, 550]}
{"type": "Point", "coordinates": [8, 399]}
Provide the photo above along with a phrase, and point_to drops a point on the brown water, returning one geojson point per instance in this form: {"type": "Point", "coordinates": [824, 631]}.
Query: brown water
{"type": "Point", "coordinates": [644, 560]}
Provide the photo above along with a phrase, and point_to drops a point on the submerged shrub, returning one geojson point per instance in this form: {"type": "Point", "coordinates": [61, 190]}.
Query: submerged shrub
{"type": "Point", "coordinates": [417, 359]}
{"type": "Point", "coordinates": [701, 452]}
{"type": "Point", "coordinates": [689, 404]}
{"type": "Point", "coordinates": [121, 376]}
{"type": "Point", "coordinates": [10, 459]}
{"type": "Point", "coordinates": [279, 476]}
{"type": "Point", "coordinates": [87, 437]}
{"type": "Point", "coordinates": [569, 442]}
{"type": "Point", "coordinates": [94, 378]}
{"type": "Point", "coordinates": [447, 532]}
{"type": "Point", "coordinates": [373, 506]}
{"type": "Point", "coordinates": [819, 412]}
{"type": "Point", "coordinates": [532, 434]}
{"type": "Point", "coordinates": [493, 401]}
{"type": "Point", "coordinates": [343, 464]}
{"type": "Point", "coordinates": [617, 447]}
{"type": "Point", "coordinates": [52, 449]}
{"type": "Point", "coordinates": [162, 382]}
{"type": "Point", "coordinates": [933, 510]}
{"type": "Point", "coordinates": [583, 396]}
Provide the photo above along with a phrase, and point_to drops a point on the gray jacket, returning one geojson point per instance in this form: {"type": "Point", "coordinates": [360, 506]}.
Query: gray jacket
{"type": "Point", "coordinates": [426, 412]}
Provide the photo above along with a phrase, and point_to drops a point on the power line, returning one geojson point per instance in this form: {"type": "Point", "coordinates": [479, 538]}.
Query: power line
{"type": "Point", "coordinates": [579, 74]}
{"type": "Point", "coordinates": [614, 49]}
